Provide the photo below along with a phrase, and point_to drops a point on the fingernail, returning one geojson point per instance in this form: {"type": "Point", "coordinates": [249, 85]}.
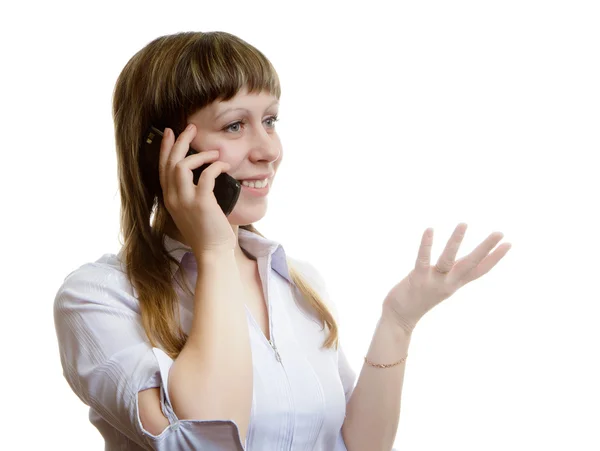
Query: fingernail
{"type": "Point", "coordinates": [190, 127]}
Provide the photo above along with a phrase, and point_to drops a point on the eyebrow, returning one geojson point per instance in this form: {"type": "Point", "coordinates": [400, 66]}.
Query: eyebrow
{"type": "Point", "coordinates": [241, 109]}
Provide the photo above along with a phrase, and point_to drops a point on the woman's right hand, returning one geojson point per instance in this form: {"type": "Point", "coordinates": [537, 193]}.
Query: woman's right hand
{"type": "Point", "coordinates": [194, 208]}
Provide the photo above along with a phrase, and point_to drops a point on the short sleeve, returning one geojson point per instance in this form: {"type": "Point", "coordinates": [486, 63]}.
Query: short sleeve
{"type": "Point", "coordinates": [107, 360]}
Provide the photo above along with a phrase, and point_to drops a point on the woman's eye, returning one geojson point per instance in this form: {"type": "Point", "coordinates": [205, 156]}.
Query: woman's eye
{"type": "Point", "coordinates": [238, 123]}
{"type": "Point", "coordinates": [273, 119]}
{"type": "Point", "coordinates": [230, 128]}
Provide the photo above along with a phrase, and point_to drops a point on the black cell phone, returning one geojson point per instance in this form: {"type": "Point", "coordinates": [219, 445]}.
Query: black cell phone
{"type": "Point", "coordinates": [227, 189]}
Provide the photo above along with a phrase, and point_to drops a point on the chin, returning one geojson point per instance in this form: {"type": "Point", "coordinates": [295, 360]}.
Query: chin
{"type": "Point", "coordinates": [247, 214]}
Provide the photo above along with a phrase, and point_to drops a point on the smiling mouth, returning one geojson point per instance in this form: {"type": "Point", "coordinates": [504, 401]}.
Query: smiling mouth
{"type": "Point", "coordinates": [257, 184]}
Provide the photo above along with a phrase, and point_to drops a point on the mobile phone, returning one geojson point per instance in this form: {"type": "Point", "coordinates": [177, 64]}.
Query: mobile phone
{"type": "Point", "coordinates": [227, 189]}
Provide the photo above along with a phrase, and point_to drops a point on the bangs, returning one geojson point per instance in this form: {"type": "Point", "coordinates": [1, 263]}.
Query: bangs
{"type": "Point", "coordinates": [216, 67]}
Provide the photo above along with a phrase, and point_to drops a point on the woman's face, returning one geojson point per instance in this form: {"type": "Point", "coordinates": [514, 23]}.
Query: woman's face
{"type": "Point", "coordinates": [243, 131]}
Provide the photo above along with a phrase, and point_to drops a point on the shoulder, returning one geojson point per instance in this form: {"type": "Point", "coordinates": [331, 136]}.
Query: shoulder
{"type": "Point", "coordinates": [102, 282]}
{"type": "Point", "coordinates": [307, 270]}
{"type": "Point", "coordinates": [314, 277]}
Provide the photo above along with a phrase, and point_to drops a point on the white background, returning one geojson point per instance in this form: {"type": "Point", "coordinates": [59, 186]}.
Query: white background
{"type": "Point", "coordinates": [395, 117]}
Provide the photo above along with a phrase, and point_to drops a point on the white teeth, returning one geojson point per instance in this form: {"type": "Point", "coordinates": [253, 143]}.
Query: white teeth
{"type": "Point", "coordinates": [255, 183]}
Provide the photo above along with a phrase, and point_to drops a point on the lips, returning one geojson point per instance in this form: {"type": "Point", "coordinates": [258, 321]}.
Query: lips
{"type": "Point", "coordinates": [256, 177]}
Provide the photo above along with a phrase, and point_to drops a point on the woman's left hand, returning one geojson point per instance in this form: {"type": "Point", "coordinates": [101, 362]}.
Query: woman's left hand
{"type": "Point", "coordinates": [426, 286]}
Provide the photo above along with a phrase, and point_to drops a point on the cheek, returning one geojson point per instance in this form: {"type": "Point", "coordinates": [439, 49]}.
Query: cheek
{"type": "Point", "coordinates": [227, 152]}
{"type": "Point", "coordinates": [230, 155]}
{"type": "Point", "coordinates": [278, 162]}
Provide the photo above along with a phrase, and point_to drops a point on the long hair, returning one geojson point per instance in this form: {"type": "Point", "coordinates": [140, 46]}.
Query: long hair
{"type": "Point", "coordinates": [162, 85]}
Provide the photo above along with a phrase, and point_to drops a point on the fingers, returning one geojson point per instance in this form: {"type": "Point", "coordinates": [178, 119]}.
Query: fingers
{"type": "Point", "coordinates": [182, 145]}
{"type": "Point", "coordinates": [165, 146]}
{"type": "Point", "coordinates": [206, 182]}
{"type": "Point", "coordinates": [175, 169]}
{"type": "Point", "coordinates": [446, 260]}
{"type": "Point", "coordinates": [481, 251]}
{"type": "Point", "coordinates": [171, 153]}
{"type": "Point", "coordinates": [184, 177]}
{"type": "Point", "coordinates": [480, 258]}
{"type": "Point", "coordinates": [424, 255]}
{"type": "Point", "coordinates": [488, 263]}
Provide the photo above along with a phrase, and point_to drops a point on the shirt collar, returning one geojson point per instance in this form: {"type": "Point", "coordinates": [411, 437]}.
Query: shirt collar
{"type": "Point", "coordinates": [254, 244]}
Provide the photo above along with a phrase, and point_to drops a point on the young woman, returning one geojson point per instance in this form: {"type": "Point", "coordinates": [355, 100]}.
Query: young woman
{"type": "Point", "coordinates": [202, 334]}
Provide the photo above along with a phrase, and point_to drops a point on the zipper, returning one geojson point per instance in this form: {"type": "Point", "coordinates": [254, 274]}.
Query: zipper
{"type": "Point", "coordinates": [270, 313]}
{"type": "Point", "coordinates": [272, 340]}
{"type": "Point", "coordinates": [270, 343]}
{"type": "Point", "coordinates": [277, 356]}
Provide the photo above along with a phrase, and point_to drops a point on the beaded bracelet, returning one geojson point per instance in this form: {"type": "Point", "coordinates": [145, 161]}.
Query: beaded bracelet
{"type": "Point", "coordinates": [381, 365]}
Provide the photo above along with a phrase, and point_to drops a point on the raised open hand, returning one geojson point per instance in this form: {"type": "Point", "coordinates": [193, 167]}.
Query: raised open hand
{"type": "Point", "coordinates": [426, 286]}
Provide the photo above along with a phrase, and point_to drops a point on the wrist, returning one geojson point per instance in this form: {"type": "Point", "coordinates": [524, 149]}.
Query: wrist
{"type": "Point", "coordinates": [207, 257]}
{"type": "Point", "coordinates": [395, 325]}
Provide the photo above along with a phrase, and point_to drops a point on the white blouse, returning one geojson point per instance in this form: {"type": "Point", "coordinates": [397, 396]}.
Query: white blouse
{"type": "Point", "coordinates": [300, 391]}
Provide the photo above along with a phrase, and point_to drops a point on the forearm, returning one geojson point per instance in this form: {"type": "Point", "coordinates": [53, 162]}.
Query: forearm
{"type": "Point", "coordinates": [373, 410]}
{"type": "Point", "coordinates": [212, 376]}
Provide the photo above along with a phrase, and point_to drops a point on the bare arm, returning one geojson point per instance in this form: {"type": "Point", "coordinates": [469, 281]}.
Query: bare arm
{"type": "Point", "coordinates": [151, 414]}
{"type": "Point", "coordinates": [212, 376]}
{"type": "Point", "coordinates": [373, 412]}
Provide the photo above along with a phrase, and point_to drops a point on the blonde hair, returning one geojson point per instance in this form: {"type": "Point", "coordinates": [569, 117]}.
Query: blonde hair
{"type": "Point", "coordinates": [162, 85]}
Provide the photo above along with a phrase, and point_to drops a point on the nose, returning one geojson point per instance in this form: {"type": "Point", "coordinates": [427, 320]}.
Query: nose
{"type": "Point", "coordinates": [265, 144]}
